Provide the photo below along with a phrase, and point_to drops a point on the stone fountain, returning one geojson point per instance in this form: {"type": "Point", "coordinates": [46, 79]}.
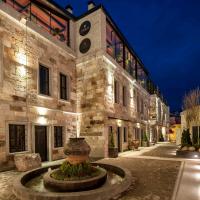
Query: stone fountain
{"type": "Point", "coordinates": [76, 173]}
{"type": "Point", "coordinates": [75, 179]}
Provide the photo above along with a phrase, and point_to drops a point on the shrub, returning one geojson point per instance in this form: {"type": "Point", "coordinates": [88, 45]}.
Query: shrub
{"type": "Point", "coordinates": [161, 139]}
{"type": "Point", "coordinates": [78, 170]}
{"type": "Point", "coordinates": [145, 139]}
{"type": "Point", "coordinates": [112, 143]}
{"type": "Point", "coordinates": [185, 139]}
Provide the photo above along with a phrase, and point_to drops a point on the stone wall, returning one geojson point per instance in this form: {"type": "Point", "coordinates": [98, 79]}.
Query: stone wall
{"type": "Point", "coordinates": [21, 51]}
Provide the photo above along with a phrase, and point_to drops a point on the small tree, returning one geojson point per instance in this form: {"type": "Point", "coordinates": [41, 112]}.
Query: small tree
{"type": "Point", "coordinates": [161, 139]}
{"type": "Point", "coordinates": [145, 139]}
{"type": "Point", "coordinates": [191, 102]}
{"type": "Point", "coordinates": [112, 143]}
{"type": "Point", "coordinates": [185, 139]}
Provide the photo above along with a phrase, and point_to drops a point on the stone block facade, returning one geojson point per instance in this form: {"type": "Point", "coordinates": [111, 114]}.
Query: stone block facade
{"type": "Point", "coordinates": [90, 110]}
{"type": "Point", "coordinates": [22, 50]}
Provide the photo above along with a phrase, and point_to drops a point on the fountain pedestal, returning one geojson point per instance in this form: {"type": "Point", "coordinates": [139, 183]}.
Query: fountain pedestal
{"type": "Point", "coordinates": [77, 151]}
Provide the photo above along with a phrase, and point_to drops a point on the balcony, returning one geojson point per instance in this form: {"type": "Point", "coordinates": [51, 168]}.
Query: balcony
{"type": "Point", "coordinates": [48, 19]}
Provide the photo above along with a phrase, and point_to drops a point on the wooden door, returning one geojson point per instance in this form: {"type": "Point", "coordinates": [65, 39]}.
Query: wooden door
{"type": "Point", "coordinates": [41, 141]}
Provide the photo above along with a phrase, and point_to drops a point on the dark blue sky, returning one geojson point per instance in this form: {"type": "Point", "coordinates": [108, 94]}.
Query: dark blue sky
{"type": "Point", "coordinates": [166, 36]}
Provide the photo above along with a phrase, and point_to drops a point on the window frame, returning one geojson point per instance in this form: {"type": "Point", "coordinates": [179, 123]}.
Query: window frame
{"type": "Point", "coordinates": [124, 96]}
{"type": "Point", "coordinates": [125, 138]}
{"type": "Point", "coordinates": [116, 92]}
{"type": "Point", "coordinates": [56, 143]}
{"type": "Point", "coordinates": [23, 149]}
{"type": "Point", "coordinates": [49, 80]}
{"type": "Point", "coordinates": [67, 88]}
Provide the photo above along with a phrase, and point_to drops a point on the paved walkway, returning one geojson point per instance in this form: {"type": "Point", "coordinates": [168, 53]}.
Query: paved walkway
{"type": "Point", "coordinates": [189, 186]}
{"type": "Point", "coordinates": [156, 170]}
{"type": "Point", "coordinates": [188, 181]}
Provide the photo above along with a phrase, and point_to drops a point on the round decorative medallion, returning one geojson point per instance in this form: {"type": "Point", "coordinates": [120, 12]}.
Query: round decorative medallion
{"type": "Point", "coordinates": [85, 28]}
{"type": "Point", "coordinates": [85, 45]}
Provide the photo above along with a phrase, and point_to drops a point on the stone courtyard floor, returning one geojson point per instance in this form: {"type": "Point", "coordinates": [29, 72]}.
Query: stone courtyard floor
{"type": "Point", "coordinates": [165, 151]}
{"type": "Point", "coordinates": [153, 179]}
{"type": "Point", "coordinates": [154, 175]}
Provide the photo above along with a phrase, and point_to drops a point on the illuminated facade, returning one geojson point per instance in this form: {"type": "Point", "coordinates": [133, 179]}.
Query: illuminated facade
{"type": "Point", "coordinates": [63, 76]}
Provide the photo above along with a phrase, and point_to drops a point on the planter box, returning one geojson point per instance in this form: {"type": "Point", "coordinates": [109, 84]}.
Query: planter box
{"type": "Point", "coordinates": [113, 152]}
{"type": "Point", "coordinates": [145, 143]}
{"type": "Point", "coordinates": [188, 154]}
{"type": "Point", "coordinates": [135, 144]}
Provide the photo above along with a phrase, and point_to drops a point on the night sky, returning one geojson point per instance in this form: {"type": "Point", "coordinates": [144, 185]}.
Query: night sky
{"type": "Point", "coordinates": [166, 36]}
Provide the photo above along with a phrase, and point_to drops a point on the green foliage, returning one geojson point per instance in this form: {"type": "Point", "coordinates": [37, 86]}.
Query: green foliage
{"type": "Point", "coordinates": [161, 138]}
{"type": "Point", "coordinates": [79, 170]}
{"type": "Point", "coordinates": [185, 139]}
{"type": "Point", "coordinates": [145, 139]}
{"type": "Point", "coordinates": [197, 146]}
{"type": "Point", "coordinates": [112, 143]}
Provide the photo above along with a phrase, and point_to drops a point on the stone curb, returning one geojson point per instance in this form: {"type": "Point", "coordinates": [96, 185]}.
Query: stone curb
{"type": "Point", "coordinates": [102, 193]}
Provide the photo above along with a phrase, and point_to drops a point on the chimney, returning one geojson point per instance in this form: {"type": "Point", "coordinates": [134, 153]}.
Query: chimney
{"type": "Point", "coordinates": [91, 5]}
{"type": "Point", "coordinates": [69, 9]}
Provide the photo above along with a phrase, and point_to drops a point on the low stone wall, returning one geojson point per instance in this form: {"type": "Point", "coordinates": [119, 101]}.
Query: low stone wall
{"type": "Point", "coordinates": [102, 193]}
{"type": "Point", "coordinates": [188, 154]}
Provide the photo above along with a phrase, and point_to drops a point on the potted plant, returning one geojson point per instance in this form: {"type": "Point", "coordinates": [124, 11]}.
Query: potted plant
{"type": "Point", "coordinates": [161, 139]}
{"type": "Point", "coordinates": [55, 31]}
{"type": "Point", "coordinates": [135, 144]}
{"type": "Point", "coordinates": [145, 142]}
{"type": "Point", "coordinates": [112, 150]}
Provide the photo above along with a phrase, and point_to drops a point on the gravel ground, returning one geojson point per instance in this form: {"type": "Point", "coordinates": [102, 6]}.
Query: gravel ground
{"type": "Point", "coordinates": [155, 179]}
{"type": "Point", "coordinates": [166, 151]}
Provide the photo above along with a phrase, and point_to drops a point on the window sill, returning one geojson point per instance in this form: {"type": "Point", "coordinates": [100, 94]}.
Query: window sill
{"type": "Point", "coordinates": [21, 152]}
{"type": "Point", "coordinates": [45, 96]}
{"type": "Point", "coordinates": [57, 148]}
{"type": "Point", "coordinates": [64, 101]}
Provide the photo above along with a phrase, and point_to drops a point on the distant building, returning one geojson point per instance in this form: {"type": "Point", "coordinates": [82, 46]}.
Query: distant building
{"type": "Point", "coordinates": [175, 128]}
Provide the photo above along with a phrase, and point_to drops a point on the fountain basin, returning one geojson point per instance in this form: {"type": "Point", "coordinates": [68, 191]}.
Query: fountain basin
{"type": "Point", "coordinates": [75, 185]}
{"type": "Point", "coordinates": [104, 192]}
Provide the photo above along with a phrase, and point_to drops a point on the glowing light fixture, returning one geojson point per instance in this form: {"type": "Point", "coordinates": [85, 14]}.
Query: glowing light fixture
{"type": "Point", "coordinates": [23, 19]}
{"type": "Point", "coordinates": [21, 58]}
{"type": "Point", "coordinates": [138, 125]}
{"type": "Point", "coordinates": [41, 111]}
{"type": "Point", "coordinates": [42, 120]}
{"type": "Point", "coordinates": [21, 70]}
{"type": "Point", "coordinates": [119, 122]}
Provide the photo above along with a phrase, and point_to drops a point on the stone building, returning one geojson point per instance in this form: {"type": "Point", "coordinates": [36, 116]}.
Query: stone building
{"type": "Point", "coordinates": [159, 118]}
{"type": "Point", "coordinates": [63, 76]}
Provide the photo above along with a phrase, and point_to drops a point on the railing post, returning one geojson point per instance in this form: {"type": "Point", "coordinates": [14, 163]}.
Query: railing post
{"type": "Point", "coordinates": [30, 13]}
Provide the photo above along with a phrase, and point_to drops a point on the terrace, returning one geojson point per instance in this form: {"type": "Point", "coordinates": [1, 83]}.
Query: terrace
{"type": "Point", "coordinates": [118, 50]}
{"type": "Point", "coordinates": [52, 21]}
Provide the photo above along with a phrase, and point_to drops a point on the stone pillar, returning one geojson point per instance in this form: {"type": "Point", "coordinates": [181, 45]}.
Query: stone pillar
{"type": "Point", "coordinates": [1, 63]}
